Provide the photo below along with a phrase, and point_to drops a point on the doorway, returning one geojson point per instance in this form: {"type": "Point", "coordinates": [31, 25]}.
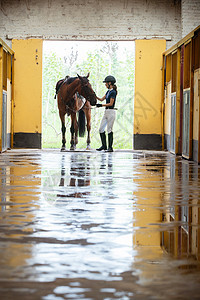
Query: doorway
{"type": "Point", "coordinates": [62, 58]}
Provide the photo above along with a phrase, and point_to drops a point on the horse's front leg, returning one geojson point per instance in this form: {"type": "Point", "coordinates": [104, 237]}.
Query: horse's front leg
{"type": "Point", "coordinates": [88, 118]}
{"type": "Point", "coordinates": [73, 147]}
{"type": "Point", "coordinates": [88, 138]}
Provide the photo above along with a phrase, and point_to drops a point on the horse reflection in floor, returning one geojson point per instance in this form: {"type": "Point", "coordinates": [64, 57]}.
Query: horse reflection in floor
{"type": "Point", "coordinates": [79, 176]}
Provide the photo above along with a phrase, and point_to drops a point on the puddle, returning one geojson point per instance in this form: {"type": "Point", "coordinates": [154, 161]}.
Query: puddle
{"type": "Point", "coordinates": [79, 225]}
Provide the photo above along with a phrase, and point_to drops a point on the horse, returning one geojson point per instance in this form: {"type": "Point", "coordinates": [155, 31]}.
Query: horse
{"type": "Point", "coordinates": [71, 92]}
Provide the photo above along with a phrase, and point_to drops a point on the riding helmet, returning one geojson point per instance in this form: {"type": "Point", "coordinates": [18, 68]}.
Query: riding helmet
{"type": "Point", "coordinates": [110, 78]}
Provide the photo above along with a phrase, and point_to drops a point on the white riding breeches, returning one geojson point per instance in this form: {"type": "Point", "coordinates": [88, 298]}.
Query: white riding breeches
{"type": "Point", "coordinates": [107, 120]}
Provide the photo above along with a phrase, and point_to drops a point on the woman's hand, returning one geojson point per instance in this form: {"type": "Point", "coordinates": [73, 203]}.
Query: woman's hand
{"type": "Point", "coordinates": [98, 105]}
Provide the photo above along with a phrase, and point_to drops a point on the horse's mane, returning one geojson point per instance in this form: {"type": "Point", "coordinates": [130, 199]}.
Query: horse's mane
{"type": "Point", "coordinates": [71, 79]}
{"type": "Point", "coordinates": [66, 80]}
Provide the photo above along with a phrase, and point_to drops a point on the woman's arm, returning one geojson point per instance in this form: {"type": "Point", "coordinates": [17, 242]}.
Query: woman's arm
{"type": "Point", "coordinates": [101, 99]}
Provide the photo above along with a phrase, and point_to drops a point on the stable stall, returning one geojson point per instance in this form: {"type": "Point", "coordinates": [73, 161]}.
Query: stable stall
{"type": "Point", "coordinates": [6, 96]}
{"type": "Point", "coordinates": [181, 122]}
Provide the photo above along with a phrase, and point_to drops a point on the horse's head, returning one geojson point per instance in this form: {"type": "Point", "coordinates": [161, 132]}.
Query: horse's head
{"type": "Point", "coordinates": [87, 91]}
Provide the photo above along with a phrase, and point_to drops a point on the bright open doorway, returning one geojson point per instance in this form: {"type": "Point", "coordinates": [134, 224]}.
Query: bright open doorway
{"type": "Point", "coordinates": [104, 58]}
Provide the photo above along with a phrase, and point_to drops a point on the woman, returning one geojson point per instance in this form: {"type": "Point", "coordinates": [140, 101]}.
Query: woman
{"type": "Point", "coordinates": [109, 115]}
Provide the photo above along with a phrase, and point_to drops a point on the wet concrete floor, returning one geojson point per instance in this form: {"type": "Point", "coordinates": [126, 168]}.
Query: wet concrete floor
{"type": "Point", "coordinates": [88, 225]}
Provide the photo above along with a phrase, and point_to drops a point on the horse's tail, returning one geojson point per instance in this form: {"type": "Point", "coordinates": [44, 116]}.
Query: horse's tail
{"type": "Point", "coordinates": [81, 123]}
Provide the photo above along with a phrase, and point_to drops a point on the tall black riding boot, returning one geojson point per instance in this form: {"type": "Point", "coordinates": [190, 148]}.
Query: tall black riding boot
{"type": "Point", "coordinates": [110, 142]}
{"type": "Point", "coordinates": [103, 141]}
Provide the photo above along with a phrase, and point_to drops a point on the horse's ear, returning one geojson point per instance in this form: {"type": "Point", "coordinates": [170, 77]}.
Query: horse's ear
{"type": "Point", "coordinates": [88, 75]}
{"type": "Point", "coordinates": [79, 76]}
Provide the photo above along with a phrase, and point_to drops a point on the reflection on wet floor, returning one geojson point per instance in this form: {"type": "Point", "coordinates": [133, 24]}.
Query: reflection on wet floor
{"type": "Point", "coordinates": [87, 225]}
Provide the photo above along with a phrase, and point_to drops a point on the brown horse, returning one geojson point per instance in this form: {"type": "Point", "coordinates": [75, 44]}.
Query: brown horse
{"type": "Point", "coordinates": [69, 102]}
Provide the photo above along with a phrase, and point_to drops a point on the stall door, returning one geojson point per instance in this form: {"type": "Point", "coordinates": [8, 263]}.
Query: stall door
{"type": "Point", "coordinates": [173, 124]}
{"type": "Point", "coordinates": [186, 123]}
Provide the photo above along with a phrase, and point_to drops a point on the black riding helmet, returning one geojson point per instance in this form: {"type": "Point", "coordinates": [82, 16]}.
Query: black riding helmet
{"type": "Point", "coordinates": [110, 78]}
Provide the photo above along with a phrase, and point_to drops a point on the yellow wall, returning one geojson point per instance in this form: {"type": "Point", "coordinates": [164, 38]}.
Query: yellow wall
{"type": "Point", "coordinates": [148, 79]}
{"type": "Point", "coordinates": [28, 86]}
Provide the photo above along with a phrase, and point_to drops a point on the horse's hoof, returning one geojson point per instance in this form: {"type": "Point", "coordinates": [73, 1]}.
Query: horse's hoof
{"type": "Point", "coordinates": [88, 147]}
{"type": "Point", "coordinates": [72, 148]}
{"type": "Point", "coordinates": [62, 149]}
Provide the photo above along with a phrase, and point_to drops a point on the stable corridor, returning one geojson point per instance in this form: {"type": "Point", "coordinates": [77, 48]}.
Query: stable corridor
{"type": "Point", "coordinates": [88, 225]}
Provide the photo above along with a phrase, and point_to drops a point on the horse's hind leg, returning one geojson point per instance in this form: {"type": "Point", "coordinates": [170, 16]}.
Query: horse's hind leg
{"type": "Point", "coordinates": [63, 129]}
{"type": "Point", "coordinates": [63, 136]}
{"type": "Point", "coordinates": [72, 137]}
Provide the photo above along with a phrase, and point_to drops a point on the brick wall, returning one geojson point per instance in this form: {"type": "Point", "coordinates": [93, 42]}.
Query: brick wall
{"type": "Point", "coordinates": [190, 15]}
{"type": "Point", "coordinates": [91, 19]}
{"type": "Point", "coordinates": [98, 19]}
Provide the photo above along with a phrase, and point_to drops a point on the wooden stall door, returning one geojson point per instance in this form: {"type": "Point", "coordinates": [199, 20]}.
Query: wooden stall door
{"type": "Point", "coordinates": [173, 124]}
{"type": "Point", "coordinates": [186, 123]}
